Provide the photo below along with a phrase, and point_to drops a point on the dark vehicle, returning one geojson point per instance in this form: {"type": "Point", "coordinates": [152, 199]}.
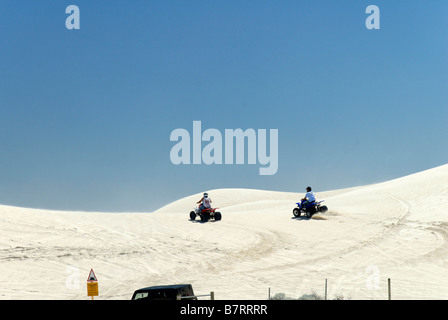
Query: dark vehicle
{"type": "Point", "coordinates": [170, 292]}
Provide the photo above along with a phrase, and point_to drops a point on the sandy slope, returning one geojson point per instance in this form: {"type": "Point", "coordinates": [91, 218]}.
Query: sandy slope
{"type": "Point", "coordinates": [396, 229]}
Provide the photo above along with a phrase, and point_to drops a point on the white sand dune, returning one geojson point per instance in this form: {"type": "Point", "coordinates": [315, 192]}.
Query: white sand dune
{"type": "Point", "coordinates": [396, 229]}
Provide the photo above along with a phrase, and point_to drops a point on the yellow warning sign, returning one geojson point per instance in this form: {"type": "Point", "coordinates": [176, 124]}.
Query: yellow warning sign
{"type": "Point", "coordinates": [92, 289]}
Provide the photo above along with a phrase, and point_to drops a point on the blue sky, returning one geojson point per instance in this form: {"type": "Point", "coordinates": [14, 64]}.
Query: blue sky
{"type": "Point", "coordinates": [86, 115]}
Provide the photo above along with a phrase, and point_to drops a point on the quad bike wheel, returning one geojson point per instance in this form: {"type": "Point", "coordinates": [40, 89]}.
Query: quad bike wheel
{"type": "Point", "coordinates": [192, 215]}
{"type": "Point", "coordinates": [296, 212]}
{"type": "Point", "coordinates": [323, 209]}
{"type": "Point", "coordinates": [218, 216]}
{"type": "Point", "coordinates": [205, 216]}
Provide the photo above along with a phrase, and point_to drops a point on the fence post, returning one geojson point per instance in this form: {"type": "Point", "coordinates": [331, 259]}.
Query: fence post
{"type": "Point", "coordinates": [212, 295]}
{"type": "Point", "coordinates": [269, 293]}
{"type": "Point", "coordinates": [388, 288]}
{"type": "Point", "coordinates": [325, 288]}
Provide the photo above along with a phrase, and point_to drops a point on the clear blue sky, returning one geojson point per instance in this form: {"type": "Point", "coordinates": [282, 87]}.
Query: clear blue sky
{"type": "Point", "coordinates": [86, 115]}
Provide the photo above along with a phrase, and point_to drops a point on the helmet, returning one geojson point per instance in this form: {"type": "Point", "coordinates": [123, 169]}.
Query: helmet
{"type": "Point", "coordinates": [205, 194]}
{"type": "Point", "coordinates": [308, 188]}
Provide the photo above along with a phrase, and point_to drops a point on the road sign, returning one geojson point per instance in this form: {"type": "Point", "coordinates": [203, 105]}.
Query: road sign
{"type": "Point", "coordinates": [92, 276]}
{"type": "Point", "coordinates": [92, 284]}
{"type": "Point", "coordinates": [92, 289]}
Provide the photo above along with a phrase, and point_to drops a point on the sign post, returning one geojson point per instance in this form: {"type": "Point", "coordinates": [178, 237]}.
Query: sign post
{"type": "Point", "coordinates": [92, 285]}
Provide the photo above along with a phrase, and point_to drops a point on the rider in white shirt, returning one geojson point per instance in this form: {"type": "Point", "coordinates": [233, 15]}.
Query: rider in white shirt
{"type": "Point", "coordinates": [205, 202]}
{"type": "Point", "coordinates": [309, 197]}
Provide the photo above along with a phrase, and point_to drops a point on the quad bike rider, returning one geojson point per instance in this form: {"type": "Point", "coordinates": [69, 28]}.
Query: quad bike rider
{"type": "Point", "coordinates": [205, 202]}
{"type": "Point", "coordinates": [309, 198]}
{"type": "Point", "coordinates": [205, 210]}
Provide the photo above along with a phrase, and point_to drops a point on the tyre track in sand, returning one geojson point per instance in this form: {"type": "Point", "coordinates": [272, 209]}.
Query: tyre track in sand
{"type": "Point", "coordinates": [389, 230]}
{"type": "Point", "coordinates": [211, 254]}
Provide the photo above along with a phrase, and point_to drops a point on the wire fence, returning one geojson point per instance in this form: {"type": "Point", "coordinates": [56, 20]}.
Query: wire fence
{"type": "Point", "coordinates": [382, 290]}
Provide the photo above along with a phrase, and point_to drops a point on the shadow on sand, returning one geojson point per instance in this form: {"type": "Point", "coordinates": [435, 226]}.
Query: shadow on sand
{"type": "Point", "coordinates": [313, 217]}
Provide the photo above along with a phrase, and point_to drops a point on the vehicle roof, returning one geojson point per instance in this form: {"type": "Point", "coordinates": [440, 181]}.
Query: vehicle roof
{"type": "Point", "coordinates": [171, 286]}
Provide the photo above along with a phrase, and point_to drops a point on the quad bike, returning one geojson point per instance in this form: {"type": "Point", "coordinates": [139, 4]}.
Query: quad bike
{"type": "Point", "coordinates": [309, 209]}
{"type": "Point", "coordinates": [205, 214]}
